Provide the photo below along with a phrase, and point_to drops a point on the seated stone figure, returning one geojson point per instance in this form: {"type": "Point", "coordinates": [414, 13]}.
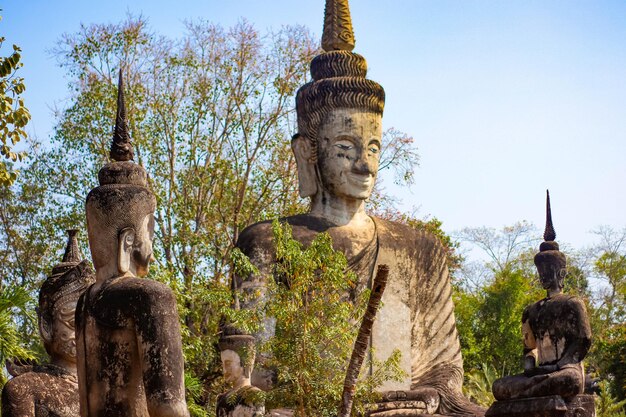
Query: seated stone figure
{"type": "Point", "coordinates": [243, 399]}
{"type": "Point", "coordinates": [130, 359]}
{"type": "Point", "coordinates": [556, 332]}
{"type": "Point", "coordinates": [51, 389]}
{"type": "Point", "coordinates": [337, 152]}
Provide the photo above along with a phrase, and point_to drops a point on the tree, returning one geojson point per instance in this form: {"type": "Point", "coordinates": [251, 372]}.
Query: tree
{"type": "Point", "coordinates": [491, 296]}
{"type": "Point", "coordinates": [211, 116]}
{"type": "Point", "coordinates": [15, 300]}
{"type": "Point", "coordinates": [13, 113]}
{"type": "Point", "coordinates": [490, 321]}
{"type": "Point", "coordinates": [609, 313]}
{"type": "Point", "coordinates": [503, 248]}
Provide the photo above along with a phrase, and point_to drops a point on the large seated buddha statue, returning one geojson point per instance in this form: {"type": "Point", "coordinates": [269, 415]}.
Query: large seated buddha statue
{"type": "Point", "coordinates": [337, 150]}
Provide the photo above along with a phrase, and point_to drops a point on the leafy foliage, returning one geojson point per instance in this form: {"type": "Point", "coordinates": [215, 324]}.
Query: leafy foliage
{"type": "Point", "coordinates": [316, 326]}
{"type": "Point", "coordinates": [14, 307]}
{"type": "Point", "coordinates": [607, 405]}
{"type": "Point", "coordinates": [14, 116]}
{"type": "Point", "coordinates": [489, 321]}
{"type": "Point", "coordinates": [478, 384]}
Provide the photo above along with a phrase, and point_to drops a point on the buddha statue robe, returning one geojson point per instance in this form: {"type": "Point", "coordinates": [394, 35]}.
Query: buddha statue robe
{"type": "Point", "coordinates": [417, 313]}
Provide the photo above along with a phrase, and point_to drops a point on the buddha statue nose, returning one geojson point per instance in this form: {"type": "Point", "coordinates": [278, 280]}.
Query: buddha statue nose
{"type": "Point", "coordinates": [364, 164]}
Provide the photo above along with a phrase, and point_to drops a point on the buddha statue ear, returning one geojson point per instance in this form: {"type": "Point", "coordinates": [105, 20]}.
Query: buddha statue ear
{"type": "Point", "coordinates": [306, 160]}
{"type": "Point", "coordinates": [124, 249]}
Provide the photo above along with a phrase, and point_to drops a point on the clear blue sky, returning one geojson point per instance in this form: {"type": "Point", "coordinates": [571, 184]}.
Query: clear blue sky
{"type": "Point", "coordinates": [504, 98]}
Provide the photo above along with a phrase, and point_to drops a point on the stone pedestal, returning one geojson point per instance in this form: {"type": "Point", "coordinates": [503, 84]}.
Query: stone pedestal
{"type": "Point", "coordinates": [553, 406]}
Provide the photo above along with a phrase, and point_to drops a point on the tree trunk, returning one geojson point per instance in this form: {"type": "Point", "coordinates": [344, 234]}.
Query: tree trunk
{"type": "Point", "coordinates": [362, 340]}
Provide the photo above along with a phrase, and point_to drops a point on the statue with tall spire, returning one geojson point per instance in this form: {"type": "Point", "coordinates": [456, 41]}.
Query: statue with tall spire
{"type": "Point", "coordinates": [121, 148]}
{"type": "Point", "coordinates": [556, 337]}
{"type": "Point", "coordinates": [337, 150]}
{"type": "Point", "coordinates": [51, 389]}
{"type": "Point", "coordinates": [130, 359]}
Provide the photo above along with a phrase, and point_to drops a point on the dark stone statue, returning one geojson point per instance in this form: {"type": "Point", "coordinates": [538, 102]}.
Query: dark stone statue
{"type": "Point", "coordinates": [51, 389]}
{"type": "Point", "coordinates": [337, 151]}
{"type": "Point", "coordinates": [242, 399]}
{"type": "Point", "coordinates": [130, 359]}
{"type": "Point", "coordinates": [557, 337]}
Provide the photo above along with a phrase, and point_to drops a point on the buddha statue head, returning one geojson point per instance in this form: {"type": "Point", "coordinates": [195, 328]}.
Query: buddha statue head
{"type": "Point", "coordinates": [338, 143]}
{"type": "Point", "coordinates": [57, 302]}
{"type": "Point", "coordinates": [550, 262]}
{"type": "Point", "coordinates": [120, 211]}
{"type": "Point", "coordinates": [237, 354]}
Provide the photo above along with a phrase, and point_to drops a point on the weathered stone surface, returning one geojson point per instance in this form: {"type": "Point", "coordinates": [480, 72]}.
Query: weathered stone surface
{"type": "Point", "coordinates": [44, 391]}
{"type": "Point", "coordinates": [337, 151]}
{"type": "Point", "coordinates": [52, 389]}
{"type": "Point", "coordinates": [556, 331]}
{"type": "Point", "coordinates": [552, 406]}
{"type": "Point", "coordinates": [130, 360]}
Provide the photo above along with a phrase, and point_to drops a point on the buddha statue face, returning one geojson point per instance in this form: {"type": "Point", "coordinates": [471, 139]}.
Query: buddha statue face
{"type": "Point", "coordinates": [348, 151]}
{"type": "Point", "coordinates": [349, 143]}
{"type": "Point", "coordinates": [232, 367]}
{"type": "Point", "coordinates": [58, 297]}
{"type": "Point", "coordinates": [551, 274]}
{"type": "Point", "coordinates": [62, 343]}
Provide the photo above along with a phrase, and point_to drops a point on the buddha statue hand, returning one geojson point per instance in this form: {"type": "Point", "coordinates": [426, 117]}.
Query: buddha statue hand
{"type": "Point", "coordinates": [422, 399]}
{"type": "Point", "coordinates": [541, 370]}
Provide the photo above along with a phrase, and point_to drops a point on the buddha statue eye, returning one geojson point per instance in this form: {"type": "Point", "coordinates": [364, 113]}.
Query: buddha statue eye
{"type": "Point", "coordinates": [374, 148]}
{"type": "Point", "coordinates": [344, 146]}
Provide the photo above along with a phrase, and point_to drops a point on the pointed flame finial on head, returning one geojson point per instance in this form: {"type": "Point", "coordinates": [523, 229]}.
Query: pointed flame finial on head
{"type": "Point", "coordinates": [338, 34]}
{"type": "Point", "coordinates": [72, 251]}
{"type": "Point", "coordinates": [548, 234]}
{"type": "Point", "coordinates": [121, 148]}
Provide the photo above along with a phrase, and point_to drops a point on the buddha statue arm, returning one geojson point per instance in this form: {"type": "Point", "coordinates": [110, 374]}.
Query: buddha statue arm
{"type": "Point", "coordinates": [578, 344]}
{"type": "Point", "coordinates": [530, 344]}
{"type": "Point", "coordinates": [160, 351]}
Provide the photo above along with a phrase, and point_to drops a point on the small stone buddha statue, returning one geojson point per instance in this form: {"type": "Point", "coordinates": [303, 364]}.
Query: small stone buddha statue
{"type": "Point", "coordinates": [243, 399]}
{"type": "Point", "coordinates": [130, 359]}
{"type": "Point", "coordinates": [51, 389]}
{"type": "Point", "coordinates": [556, 338]}
{"type": "Point", "coordinates": [337, 150]}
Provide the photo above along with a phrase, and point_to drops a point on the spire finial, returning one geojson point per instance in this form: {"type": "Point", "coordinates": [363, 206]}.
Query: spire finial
{"type": "Point", "coordinates": [338, 34]}
{"type": "Point", "coordinates": [121, 148]}
{"type": "Point", "coordinates": [72, 251]}
{"type": "Point", "coordinates": [548, 234]}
